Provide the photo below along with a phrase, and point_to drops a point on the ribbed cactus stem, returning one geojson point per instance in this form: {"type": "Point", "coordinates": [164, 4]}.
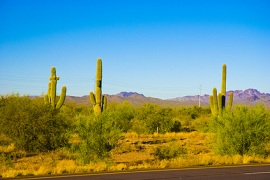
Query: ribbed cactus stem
{"type": "Point", "coordinates": [53, 79]}
{"type": "Point", "coordinates": [98, 81]}
{"type": "Point", "coordinates": [223, 85]}
{"type": "Point", "coordinates": [104, 102]}
{"type": "Point", "coordinates": [215, 102]}
{"type": "Point", "coordinates": [49, 92]}
{"type": "Point", "coordinates": [92, 98]}
{"type": "Point", "coordinates": [99, 102]}
{"type": "Point", "coordinates": [50, 98]}
{"type": "Point", "coordinates": [230, 102]}
{"type": "Point", "coordinates": [46, 99]}
{"type": "Point", "coordinates": [220, 101]}
{"type": "Point", "coordinates": [211, 103]}
{"type": "Point", "coordinates": [224, 75]}
{"type": "Point", "coordinates": [62, 97]}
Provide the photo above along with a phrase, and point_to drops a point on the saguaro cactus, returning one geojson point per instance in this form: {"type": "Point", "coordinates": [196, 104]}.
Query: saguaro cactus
{"type": "Point", "coordinates": [50, 98]}
{"type": "Point", "coordinates": [98, 100]}
{"type": "Point", "coordinates": [223, 86]}
{"type": "Point", "coordinates": [217, 102]}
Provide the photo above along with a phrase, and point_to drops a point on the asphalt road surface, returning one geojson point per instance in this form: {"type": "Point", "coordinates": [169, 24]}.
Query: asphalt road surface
{"type": "Point", "coordinates": [255, 172]}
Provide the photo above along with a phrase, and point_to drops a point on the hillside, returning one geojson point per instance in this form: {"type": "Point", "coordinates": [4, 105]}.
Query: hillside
{"type": "Point", "coordinates": [249, 96]}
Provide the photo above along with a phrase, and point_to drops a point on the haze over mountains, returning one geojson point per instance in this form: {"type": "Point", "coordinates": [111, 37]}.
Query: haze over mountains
{"type": "Point", "coordinates": [249, 97]}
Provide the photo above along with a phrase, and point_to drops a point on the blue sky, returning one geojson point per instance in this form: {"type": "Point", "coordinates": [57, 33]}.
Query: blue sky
{"type": "Point", "coordinates": [162, 49]}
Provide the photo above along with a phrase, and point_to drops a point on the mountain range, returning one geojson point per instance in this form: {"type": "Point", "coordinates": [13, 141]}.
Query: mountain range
{"type": "Point", "coordinates": [248, 97]}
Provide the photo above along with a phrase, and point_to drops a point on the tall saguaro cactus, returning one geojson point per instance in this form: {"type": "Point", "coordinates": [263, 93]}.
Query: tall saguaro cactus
{"type": "Point", "coordinates": [50, 98]}
{"type": "Point", "coordinates": [217, 102]}
{"type": "Point", "coordinates": [223, 86]}
{"type": "Point", "coordinates": [98, 100]}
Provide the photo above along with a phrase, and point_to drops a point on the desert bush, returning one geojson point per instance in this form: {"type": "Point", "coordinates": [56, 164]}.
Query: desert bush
{"type": "Point", "coordinates": [139, 126]}
{"type": "Point", "coordinates": [243, 131]}
{"type": "Point", "coordinates": [31, 125]}
{"type": "Point", "coordinates": [192, 118]}
{"type": "Point", "coordinates": [155, 118]}
{"type": "Point", "coordinates": [122, 115]}
{"type": "Point", "coordinates": [176, 127]}
{"type": "Point", "coordinates": [201, 123]}
{"type": "Point", "coordinates": [98, 135]}
{"type": "Point", "coordinates": [72, 109]}
{"type": "Point", "coordinates": [169, 151]}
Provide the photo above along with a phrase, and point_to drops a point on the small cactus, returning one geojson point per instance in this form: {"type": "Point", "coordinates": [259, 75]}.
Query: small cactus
{"type": "Point", "coordinates": [98, 100]}
{"type": "Point", "coordinates": [50, 98]}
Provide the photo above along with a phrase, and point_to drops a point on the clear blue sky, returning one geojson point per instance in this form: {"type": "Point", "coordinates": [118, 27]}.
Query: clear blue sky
{"type": "Point", "coordinates": [160, 48]}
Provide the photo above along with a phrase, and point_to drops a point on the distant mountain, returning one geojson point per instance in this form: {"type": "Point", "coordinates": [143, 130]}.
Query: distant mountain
{"type": "Point", "coordinates": [127, 94]}
{"type": "Point", "coordinates": [133, 98]}
{"type": "Point", "coordinates": [249, 96]}
{"type": "Point", "coordinates": [137, 99]}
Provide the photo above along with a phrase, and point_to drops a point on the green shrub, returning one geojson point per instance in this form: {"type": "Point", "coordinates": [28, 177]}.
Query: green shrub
{"type": "Point", "coordinates": [245, 130]}
{"type": "Point", "coordinates": [98, 135]}
{"type": "Point", "coordinates": [31, 125]}
{"type": "Point", "coordinates": [201, 123]}
{"type": "Point", "coordinates": [122, 115]}
{"type": "Point", "coordinates": [176, 126]}
{"type": "Point", "coordinates": [169, 151]}
{"type": "Point", "coordinates": [155, 118]}
{"type": "Point", "coordinates": [139, 126]}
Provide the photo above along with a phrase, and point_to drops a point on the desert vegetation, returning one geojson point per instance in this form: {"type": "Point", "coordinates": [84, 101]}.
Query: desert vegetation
{"type": "Point", "coordinates": [38, 140]}
{"type": "Point", "coordinates": [43, 135]}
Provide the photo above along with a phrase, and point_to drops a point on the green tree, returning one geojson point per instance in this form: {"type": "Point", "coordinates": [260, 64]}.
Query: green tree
{"type": "Point", "coordinates": [245, 130]}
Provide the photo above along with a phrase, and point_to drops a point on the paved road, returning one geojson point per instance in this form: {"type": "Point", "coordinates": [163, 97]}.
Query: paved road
{"type": "Point", "coordinates": [216, 173]}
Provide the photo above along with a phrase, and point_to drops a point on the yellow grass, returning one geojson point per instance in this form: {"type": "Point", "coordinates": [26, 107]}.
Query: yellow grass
{"type": "Point", "coordinates": [7, 149]}
{"type": "Point", "coordinates": [132, 153]}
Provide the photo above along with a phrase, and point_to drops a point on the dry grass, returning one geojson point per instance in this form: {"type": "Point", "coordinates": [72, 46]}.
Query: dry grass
{"type": "Point", "coordinates": [132, 153]}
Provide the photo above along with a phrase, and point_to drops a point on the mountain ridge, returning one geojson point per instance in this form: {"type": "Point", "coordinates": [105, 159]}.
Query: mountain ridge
{"type": "Point", "coordinates": [249, 97]}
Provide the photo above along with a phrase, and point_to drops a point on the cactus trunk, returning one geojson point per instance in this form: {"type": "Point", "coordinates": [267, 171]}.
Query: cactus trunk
{"type": "Point", "coordinates": [223, 86]}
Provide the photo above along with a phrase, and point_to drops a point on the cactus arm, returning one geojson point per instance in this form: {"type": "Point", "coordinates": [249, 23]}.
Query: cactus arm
{"type": "Point", "coordinates": [46, 99]}
{"type": "Point", "coordinates": [92, 98]}
{"type": "Point", "coordinates": [62, 97]}
{"type": "Point", "coordinates": [49, 92]}
{"type": "Point", "coordinates": [223, 83]}
{"type": "Point", "coordinates": [211, 103]}
{"type": "Point", "coordinates": [230, 102]}
{"type": "Point", "coordinates": [215, 102]}
{"type": "Point", "coordinates": [104, 102]}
